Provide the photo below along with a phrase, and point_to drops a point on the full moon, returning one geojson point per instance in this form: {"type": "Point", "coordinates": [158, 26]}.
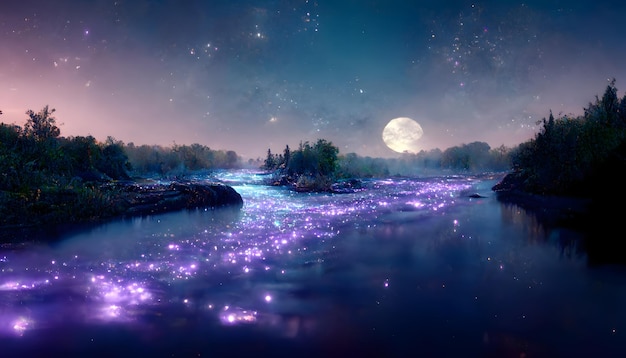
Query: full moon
{"type": "Point", "coordinates": [402, 134]}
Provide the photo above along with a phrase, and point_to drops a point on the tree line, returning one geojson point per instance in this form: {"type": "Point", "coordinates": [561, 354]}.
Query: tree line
{"type": "Point", "coordinates": [40, 169]}
{"type": "Point", "coordinates": [581, 157]}
{"type": "Point", "coordinates": [46, 178]}
{"type": "Point", "coordinates": [324, 159]}
{"type": "Point", "coordinates": [475, 157]}
{"type": "Point", "coordinates": [38, 155]}
{"type": "Point", "coordinates": [569, 156]}
{"type": "Point", "coordinates": [316, 166]}
{"type": "Point", "coordinates": [49, 178]}
{"type": "Point", "coordinates": [177, 160]}
{"type": "Point", "coordinates": [572, 155]}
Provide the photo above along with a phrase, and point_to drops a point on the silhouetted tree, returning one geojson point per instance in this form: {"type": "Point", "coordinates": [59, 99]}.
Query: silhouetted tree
{"type": "Point", "coordinates": [41, 125]}
{"type": "Point", "coordinates": [286, 155]}
{"type": "Point", "coordinates": [114, 161]}
{"type": "Point", "coordinates": [231, 159]}
{"type": "Point", "coordinates": [81, 156]}
{"type": "Point", "coordinates": [500, 158]}
{"type": "Point", "coordinates": [455, 158]}
{"type": "Point", "coordinates": [270, 161]}
{"type": "Point", "coordinates": [326, 155]}
{"type": "Point", "coordinates": [11, 160]}
{"type": "Point", "coordinates": [604, 110]}
{"type": "Point", "coordinates": [568, 151]}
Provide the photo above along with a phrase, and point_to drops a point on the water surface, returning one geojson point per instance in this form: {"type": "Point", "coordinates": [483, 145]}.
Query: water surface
{"type": "Point", "coordinates": [403, 267]}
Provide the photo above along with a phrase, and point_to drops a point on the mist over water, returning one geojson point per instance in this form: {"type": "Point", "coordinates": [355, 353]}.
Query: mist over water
{"type": "Point", "coordinates": [400, 266]}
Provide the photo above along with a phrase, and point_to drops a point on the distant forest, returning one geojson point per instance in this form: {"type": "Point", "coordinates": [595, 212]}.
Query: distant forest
{"type": "Point", "coordinates": [36, 155]}
{"type": "Point", "coordinates": [569, 156]}
{"type": "Point", "coordinates": [474, 157]}
{"type": "Point", "coordinates": [35, 159]}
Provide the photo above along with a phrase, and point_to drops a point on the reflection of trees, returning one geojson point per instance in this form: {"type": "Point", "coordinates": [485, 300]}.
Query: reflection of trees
{"type": "Point", "coordinates": [578, 157]}
{"type": "Point", "coordinates": [546, 225]}
{"type": "Point", "coordinates": [520, 217]}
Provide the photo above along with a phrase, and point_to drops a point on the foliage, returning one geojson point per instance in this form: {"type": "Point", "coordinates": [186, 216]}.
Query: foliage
{"type": "Point", "coordinates": [46, 178]}
{"type": "Point", "coordinates": [310, 167]}
{"type": "Point", "coordinates": [474, 157]}
{"type": "Point", "coordinates": [317, 160]}
{"type": "Point", "coordinates": [470, 157]}
{"type": "Point", "coordinates": [569, 151]}
{"type": "Point", "coordinates": [113, 161]}
{"type": "Point", "coordinates": [353, 166]}
{"type": "Point", "coordinates": [41, 126]}
{"type": "Point", "coordinates": [320, 164]}
{"type": "Point", "coordinates": [271, 160]}
{"type": "Point", "coordinates": [147, 160]}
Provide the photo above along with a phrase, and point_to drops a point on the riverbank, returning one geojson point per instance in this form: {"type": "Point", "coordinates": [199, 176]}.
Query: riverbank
{"type": "Point", "coordinates": [593, 212]}
{"type": "Point", "coordinates": [26, 217]}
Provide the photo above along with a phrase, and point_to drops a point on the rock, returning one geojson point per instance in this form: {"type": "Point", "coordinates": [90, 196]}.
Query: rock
{"type": "Point", "coordinates": [49, 220]}
{"type": "Point", "coordinates": [347, 186]}
{"type": "Point", "coordinates": [511, 182]}
{"type": "Point", "coordinates": [476, 196]}
{"type": "Point", "coordinates": [160, 198]}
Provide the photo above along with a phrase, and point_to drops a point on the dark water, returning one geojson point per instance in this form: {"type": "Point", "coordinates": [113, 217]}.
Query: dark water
{"type": "Point", "coordinates": [404, 267]}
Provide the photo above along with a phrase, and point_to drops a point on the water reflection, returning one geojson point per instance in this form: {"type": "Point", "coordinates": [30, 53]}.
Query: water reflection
{"type": "Point", "coordinates": [403, 258]}
{"type": "Point", "coordinates": [539, 229]}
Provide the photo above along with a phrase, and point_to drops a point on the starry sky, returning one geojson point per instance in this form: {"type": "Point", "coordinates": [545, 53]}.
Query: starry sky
{"type": "Point", "coordinates": [251, 75]}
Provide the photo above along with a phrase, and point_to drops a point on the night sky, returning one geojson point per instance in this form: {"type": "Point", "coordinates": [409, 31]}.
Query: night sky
{"type": "Point", "coordinates": [252, 75]}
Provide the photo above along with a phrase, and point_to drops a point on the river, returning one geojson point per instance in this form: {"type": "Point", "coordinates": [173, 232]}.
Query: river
{"type": "Point", "coordinates": [402, 267]}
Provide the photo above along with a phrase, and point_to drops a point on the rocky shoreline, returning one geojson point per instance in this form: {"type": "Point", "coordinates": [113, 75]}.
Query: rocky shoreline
{"type": "Point", "coordinates": [154, 198]}
{"type": "Point", "coordinates": [127, 199]}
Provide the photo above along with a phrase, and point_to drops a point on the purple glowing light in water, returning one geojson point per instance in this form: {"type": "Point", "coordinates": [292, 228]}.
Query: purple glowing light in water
{"type": "Point", "coordinates": [226, 257]}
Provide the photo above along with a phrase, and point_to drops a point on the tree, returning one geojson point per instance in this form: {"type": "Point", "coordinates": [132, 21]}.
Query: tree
{"type": "Point", "coordinates": [114, 161]}
{"type": "Point", "coordinates": [11, 160]}
{"type": "Point", "coordinates": [473, 156]}
{"type": "Point", "coordinates": [319, 159]}
{"type": "Point", "coordinates": [286, 155]}
{"type": "Point", "coordinates": [41, 126]}
{"type": "Point", "coordinates": [302, 161]}
{"type": "Point", "coordinates": [570, 151]}
{"type": "Point", "coordinates": [270, 161]}
{"type": "Point", "coordinates": [231, 159]}
{"type": "Point", "coordinates": [82, 154]}
{"type": "Point", "coordinates": [455, 158]}
{"type": "Point", "coordinates": [326, 154]}
{"type": "Point", "coordinates": [478, 153]}
{"type": "Point", "coordinates": [500, 158]}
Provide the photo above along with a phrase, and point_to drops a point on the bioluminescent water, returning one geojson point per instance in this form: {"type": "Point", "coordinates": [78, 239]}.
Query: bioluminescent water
{"type": "Point", "coordinates": [399, 265]}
